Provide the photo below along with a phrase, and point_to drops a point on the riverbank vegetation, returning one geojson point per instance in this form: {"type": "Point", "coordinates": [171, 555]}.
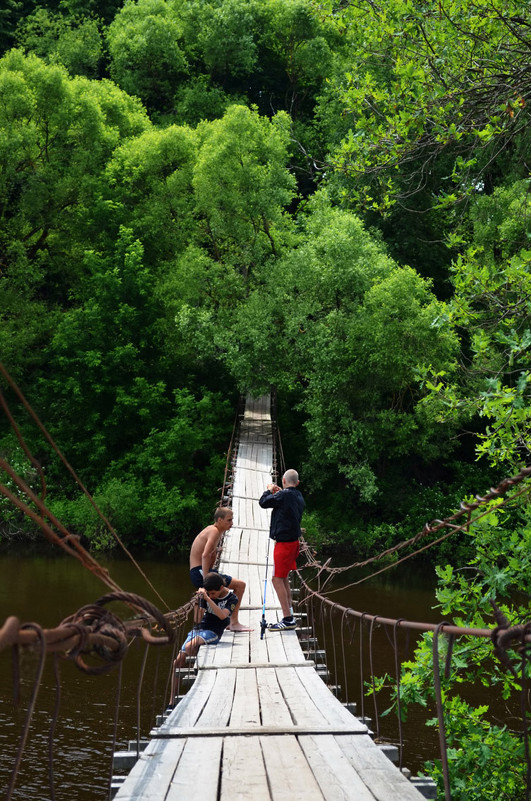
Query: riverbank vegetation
{"type": "Point", "coordinates": [206, 198]}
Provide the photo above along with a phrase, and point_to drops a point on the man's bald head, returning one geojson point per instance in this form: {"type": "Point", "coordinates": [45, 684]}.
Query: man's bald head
{"type": "Point", "coordinates": [290, 478]}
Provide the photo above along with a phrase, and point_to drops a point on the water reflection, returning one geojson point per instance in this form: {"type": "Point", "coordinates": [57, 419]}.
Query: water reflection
{"type": "Point", "coordinates": [46, 590]}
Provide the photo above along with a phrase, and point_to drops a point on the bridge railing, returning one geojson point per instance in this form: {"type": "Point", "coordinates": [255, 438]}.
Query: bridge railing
{"type": "Point", "coordinates": [97, 641]}
{"type": "Point", "coordinates": [348, 637]}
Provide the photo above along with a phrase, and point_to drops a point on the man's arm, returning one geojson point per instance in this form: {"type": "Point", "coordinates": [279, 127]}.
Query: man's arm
{"type": "Point", "coordinates": [223, 614]}
{"type": "Point", "coordinates": [208, 557]}
{"type": "Point", "coordinates": [269, 496]}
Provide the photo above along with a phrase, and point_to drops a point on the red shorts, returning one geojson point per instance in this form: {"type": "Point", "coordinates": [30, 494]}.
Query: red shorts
{"type": "Point", "coordinates": [284, 556]}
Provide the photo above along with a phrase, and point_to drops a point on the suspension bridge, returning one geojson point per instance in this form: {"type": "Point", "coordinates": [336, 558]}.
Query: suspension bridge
{"type": "Point", "coordinates": [258, 721]}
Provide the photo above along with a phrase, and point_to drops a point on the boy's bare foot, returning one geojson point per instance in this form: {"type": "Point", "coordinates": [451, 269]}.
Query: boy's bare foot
{"type": "Point", "coordinates": [238, 627]}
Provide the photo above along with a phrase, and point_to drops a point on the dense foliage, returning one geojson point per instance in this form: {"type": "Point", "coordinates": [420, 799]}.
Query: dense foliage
{"type": "Point", "coordinates": [212, 197]}
{"type": "Point", "coordinates": [201, 198]}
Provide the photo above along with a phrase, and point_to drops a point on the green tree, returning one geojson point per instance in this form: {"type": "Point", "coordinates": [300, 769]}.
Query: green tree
{"type": "Point", "coordinates": [492, 313]}
{"type": "Point", "coordinates": [430, 87]}
{"type": "Point", "coordinates": [221, 37]}
{"type": "Point", "coordinates": [74, 42]}
{"type": "Point", "coordinates": [57, 134]}
{"type": "Point", "coordinates": [486, 759]}
{"type": "Point", "coordinates": [147, 59]}
{"type": "Point", "coordinates": [296, 54]}
{"type": "Point", "coordinates": [242, 187]}
{"type": "Point", "coordinates": [150, 190]}
{"type": "Point", "coordinates": [101, 393]}
{"type": "Point", "coordinates": [340, 321]}
{"type": "Point", "coordinates": [9, 14]}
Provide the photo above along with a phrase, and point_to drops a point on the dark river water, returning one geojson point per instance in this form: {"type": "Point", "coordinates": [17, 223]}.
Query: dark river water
{"type": "Point", "coordinates": [48, 589]}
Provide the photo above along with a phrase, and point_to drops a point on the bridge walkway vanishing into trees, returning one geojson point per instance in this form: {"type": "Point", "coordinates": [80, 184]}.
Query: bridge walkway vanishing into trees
{"type": "Point", "coordinates": [258, 722]}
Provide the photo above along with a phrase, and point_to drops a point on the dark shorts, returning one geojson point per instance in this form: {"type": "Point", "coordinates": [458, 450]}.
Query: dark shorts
{"type": "Point", "coordinates": [284, 557]}
{"type": "Point", "coordinates": [196, 577]}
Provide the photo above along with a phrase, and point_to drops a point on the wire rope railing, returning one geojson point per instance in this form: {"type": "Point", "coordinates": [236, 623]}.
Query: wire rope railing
{"type": "Point", "coordinates": [94, 639]}
{"type": "Point", "coordinates": [506, 639]}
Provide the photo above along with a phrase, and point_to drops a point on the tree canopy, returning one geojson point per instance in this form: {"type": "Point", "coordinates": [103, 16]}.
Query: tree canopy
{"type": "Point", "coordinates": [329, 200]}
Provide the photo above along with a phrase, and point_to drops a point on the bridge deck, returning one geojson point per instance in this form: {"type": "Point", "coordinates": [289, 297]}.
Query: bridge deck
{"type": "Point", "coordinates": [258, 722]}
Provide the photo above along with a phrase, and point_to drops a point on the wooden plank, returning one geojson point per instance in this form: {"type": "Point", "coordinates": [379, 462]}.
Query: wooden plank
{"type": "Point", "coordinates": [198, 769]}
{"type": "Point", "coordinates": [254, 665]}
{"type": "Point", "coordinates": [289, 774]}
{"type": "Point", "coordinates": [376, 771]}
{"type": "Point", "coordinates": [239, 654]}
{"type": "Point", "coordinates": [219, 654]}
{"type": "Point", "coordinates": [292, 646]}
{"type": "Point", "coordinates": [337, 778]}
{"type": "Point", "coordinates": [150, 777]}
{"type": "Point", "coordinates": [189, 709]}
{"type": "Point", "coordinates": [258, 648]}
{"type": "Point", "coordinates": [332, 710]}
{"type": "Point", "coordinates": [302, 708]}
{"type": "Point", "coordinates": [275, 643]}
{"type": "Point", "coordinates": [243, 775]}
{"type": "Point", "coordinates": [200, 731]}
{"type": "Point", "coordinates": [217, 709]}
{"type": "Point", "coordinates": [272, 702]}
{"type": "Point", "coordinates": [246, 707]}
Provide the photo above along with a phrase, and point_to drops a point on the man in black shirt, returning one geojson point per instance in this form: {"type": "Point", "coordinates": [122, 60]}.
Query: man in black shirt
{"type": "Point", "coordinates": [285, 528]}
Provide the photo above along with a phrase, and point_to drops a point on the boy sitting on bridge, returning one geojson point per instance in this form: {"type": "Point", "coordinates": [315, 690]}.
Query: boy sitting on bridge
{"type": "Point", "coordinates": [219, 604]}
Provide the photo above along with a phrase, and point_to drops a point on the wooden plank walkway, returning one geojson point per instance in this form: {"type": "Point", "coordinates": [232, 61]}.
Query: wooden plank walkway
{"type": "Point", "coordinates": [258, 722]}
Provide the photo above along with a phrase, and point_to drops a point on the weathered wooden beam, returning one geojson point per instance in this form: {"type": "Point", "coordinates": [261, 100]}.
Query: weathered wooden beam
{"type": "Point", "coordinates": [237, 731]}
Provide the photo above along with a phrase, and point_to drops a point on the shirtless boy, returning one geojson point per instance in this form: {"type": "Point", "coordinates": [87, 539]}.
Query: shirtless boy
{"type": "Point", "coordinates": [203, 555]}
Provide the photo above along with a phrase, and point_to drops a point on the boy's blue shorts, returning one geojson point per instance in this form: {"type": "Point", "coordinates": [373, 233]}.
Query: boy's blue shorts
{"type": "Point", "coordinates": [210, 637]}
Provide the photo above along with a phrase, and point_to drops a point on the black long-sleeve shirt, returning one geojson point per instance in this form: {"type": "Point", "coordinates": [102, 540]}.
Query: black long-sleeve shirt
{"type": "Point", "coordinates": [287, 505]}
